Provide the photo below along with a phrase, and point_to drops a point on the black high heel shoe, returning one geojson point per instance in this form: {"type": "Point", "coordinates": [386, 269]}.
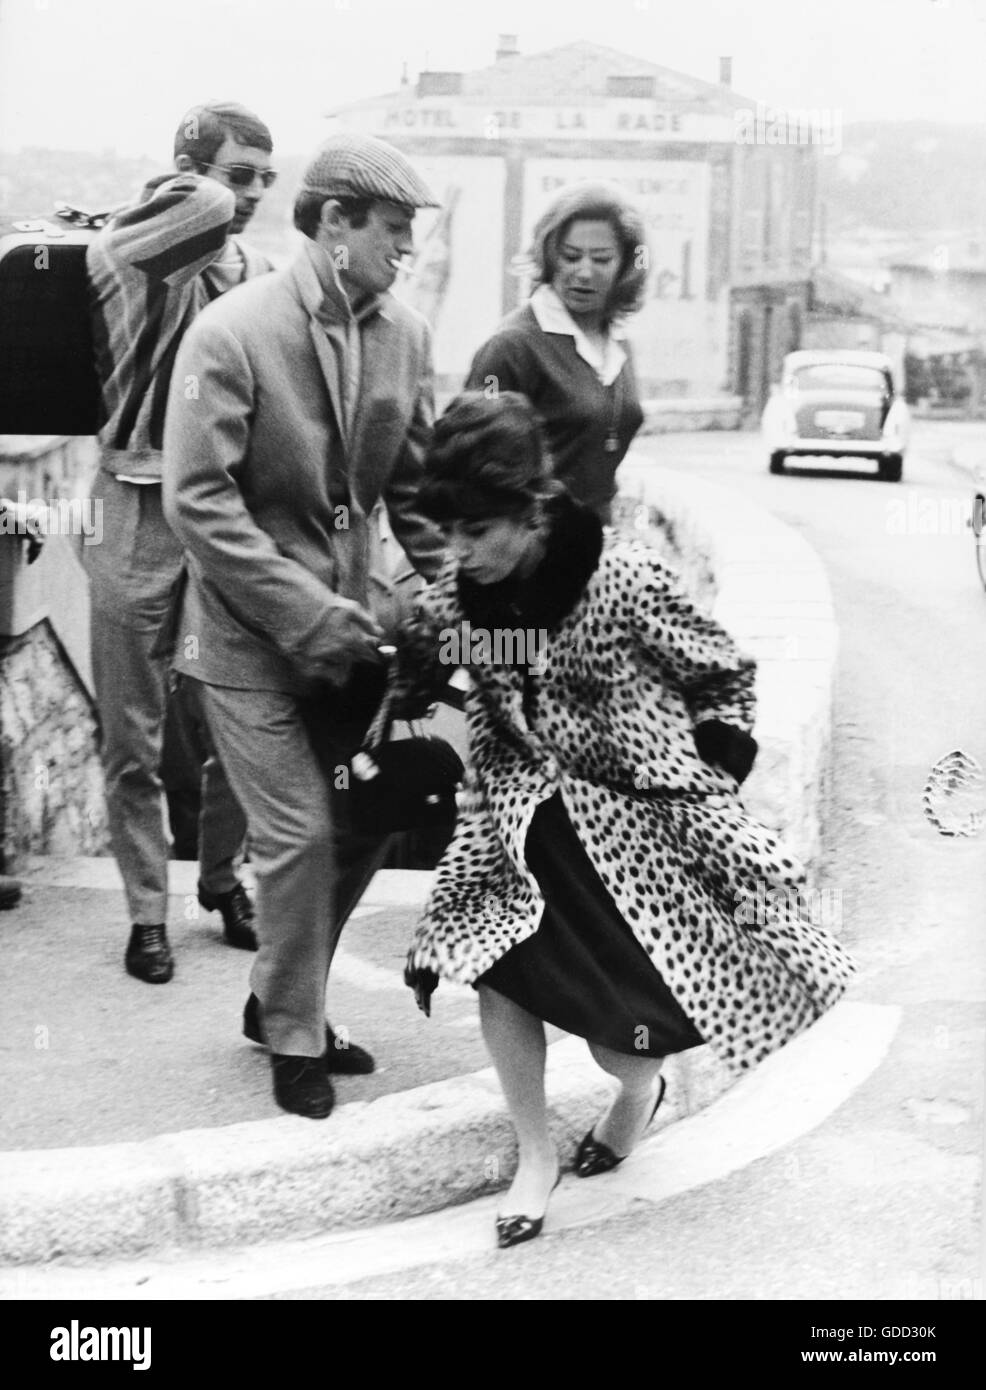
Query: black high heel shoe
{"type": "Point", "coordinates": [514, 1230]}
{"type": "Point", "coordinates": [593, 1157]}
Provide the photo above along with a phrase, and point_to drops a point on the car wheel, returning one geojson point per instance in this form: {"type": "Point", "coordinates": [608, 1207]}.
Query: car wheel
{"type": "Point", "coordinates": [979, 534]}
{"type": "Point", "coordinates": [777, 462]}
{"type": "Point", "coordinates": [891, 468]}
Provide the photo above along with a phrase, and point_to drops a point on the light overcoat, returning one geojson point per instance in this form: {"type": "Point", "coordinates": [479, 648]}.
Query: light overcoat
{"type": "Point", "coordinates": [606, 715]}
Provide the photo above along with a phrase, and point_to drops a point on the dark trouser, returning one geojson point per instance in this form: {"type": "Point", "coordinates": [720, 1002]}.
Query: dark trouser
{"type": "Point", "coordinates": [310, 873]}
{"type": "Point", "coordinates": [185, 751]}
{"type": "Point", "coordinates": [131, 575]}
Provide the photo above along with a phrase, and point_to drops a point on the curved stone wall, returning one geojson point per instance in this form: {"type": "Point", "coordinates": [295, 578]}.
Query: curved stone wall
{"type": "Point", "coordinates": [766, 585]}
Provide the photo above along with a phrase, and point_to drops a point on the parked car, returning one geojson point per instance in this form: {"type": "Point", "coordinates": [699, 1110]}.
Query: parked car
{"type": "Point", "coordinates": [840, 403]}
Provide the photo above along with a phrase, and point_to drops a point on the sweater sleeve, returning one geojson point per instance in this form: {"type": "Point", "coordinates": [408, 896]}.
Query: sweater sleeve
{"type": "Point", "coordinates": [421, 539]}
{"type": "Point", "coordinates": [715, 678]}
{"type": "Point", "coordinates": [424, 664]}
{"type": "Point", "coordinates": [178, 230]}
{"type": "Point", "coordinates": [503, 363]}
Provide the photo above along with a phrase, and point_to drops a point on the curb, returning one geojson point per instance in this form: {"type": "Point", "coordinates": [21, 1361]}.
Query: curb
{"type": "Point", "coordinates": [402, 1155]}
{"type": "Point", "coordinates": [421, 1150]}
{"type": "Point", "coordinates": [668, 415]}
{"type": "Point", "coordinates": [971, 460]}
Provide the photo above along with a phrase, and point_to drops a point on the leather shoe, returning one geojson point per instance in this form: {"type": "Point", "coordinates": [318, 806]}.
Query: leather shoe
{"type": "Point", "coordinates": [148, 955]}
{"type": "Point", "coordinates": [237, 914]}
{"type": "Point", "coordinates": [594, 1157]}
{"type": "Point", "coordinates": [341, 1058]}
{"type": "Point", "coordinates": [344, 1058]}
{"type": "Point", "coordinates": [301, 1086]}
{"type": "Point", "coordinates": [514, 1230]}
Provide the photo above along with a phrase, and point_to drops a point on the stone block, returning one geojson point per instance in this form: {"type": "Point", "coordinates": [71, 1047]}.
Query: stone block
{"type": "Point", "coordinates": [49, 765]}
{"type": "Point", "coordinates": [114, 1200]}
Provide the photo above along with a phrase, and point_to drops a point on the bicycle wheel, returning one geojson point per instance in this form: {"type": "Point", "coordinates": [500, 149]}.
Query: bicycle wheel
{"type": "Point", "coordinates": [979, 534]}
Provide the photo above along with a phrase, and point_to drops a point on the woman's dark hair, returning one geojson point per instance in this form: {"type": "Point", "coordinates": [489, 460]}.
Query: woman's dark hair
{"type": "Point", "coordinates": [308, 211]}
{"type": "Point", "coordinates": [487, 459]}
{"type": "Point", "coordinates": [595, 202]}
{"type": "Point", "coordinates": [205, 128]}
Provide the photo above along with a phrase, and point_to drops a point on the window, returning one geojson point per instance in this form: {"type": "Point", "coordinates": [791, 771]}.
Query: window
{"type": "Point", "coordinates": [838, 376]}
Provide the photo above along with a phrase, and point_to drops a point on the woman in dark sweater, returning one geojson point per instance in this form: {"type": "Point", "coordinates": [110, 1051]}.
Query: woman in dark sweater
{"type": "Point", "coordinates": [564, 349]}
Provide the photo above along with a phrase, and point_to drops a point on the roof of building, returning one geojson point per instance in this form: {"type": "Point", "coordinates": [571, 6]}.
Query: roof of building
{"type": "Point", "coordinates": [837, 293]}
{"type": "Point", "coordinates": [573, 72]}
{"type": "Point", "coordinates": [856, 357]}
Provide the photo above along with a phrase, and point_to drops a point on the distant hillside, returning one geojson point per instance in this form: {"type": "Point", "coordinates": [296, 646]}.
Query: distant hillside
{"type": "Point", "coordinates": [32, 181]}
{"type": "Point", "coordinates": [906, 177]}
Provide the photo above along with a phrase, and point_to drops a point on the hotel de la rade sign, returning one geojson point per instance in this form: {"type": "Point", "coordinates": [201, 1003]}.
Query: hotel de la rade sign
{"type": "Point", "coordinates": [727, 219]}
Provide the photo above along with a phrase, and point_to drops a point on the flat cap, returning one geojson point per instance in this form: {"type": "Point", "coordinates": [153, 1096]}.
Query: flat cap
{"type": "Point", "coordinates": [361, 166]}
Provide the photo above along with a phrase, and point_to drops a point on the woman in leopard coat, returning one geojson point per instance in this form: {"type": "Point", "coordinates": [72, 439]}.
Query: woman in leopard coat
{"type": "Point", "coordinates": [603, 868]}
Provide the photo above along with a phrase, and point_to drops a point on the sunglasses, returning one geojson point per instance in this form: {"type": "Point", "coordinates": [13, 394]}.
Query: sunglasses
{"type": "Point", "coordinates": [243, 175]}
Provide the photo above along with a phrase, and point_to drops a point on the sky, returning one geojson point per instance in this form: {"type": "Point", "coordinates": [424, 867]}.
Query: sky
{"type": "Point", "coordinates": [118, 74]}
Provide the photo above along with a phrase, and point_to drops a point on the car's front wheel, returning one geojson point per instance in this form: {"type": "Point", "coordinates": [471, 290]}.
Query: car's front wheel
{"type": "Point", "coordinates": [891, 468]}
{"type": "Point", "coordinates": [777, 461]}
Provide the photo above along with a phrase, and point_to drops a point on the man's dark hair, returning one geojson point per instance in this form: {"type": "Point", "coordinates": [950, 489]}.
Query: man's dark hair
{"type": "Point", "coordinates": [487, 459]}
{"type": "Point", "coordinates": [308, 210]}
{"type": "Point", "coordinates": [203, 130]}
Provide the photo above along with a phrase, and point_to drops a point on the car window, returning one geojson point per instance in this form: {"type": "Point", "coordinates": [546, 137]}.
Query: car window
{"type": "Point", "coordinates": [838, 376]}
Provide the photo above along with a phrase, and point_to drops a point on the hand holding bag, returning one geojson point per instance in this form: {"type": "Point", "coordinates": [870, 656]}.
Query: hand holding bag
{"type": "Point", "coordinates": [402, 784]}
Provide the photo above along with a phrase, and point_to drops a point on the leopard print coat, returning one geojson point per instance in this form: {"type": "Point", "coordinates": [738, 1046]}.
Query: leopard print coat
{"type": "Point", "coordinates": [606, 717]}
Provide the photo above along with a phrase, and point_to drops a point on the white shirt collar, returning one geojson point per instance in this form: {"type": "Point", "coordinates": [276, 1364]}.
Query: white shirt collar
{"type": "Point", "coordinates": [553, 317]}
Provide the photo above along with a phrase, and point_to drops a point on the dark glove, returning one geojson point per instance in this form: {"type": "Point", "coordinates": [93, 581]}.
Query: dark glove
{"type": "Point", "coordinates": [424, 983]}
{"type": "Point", "coordinates": [722, 745]}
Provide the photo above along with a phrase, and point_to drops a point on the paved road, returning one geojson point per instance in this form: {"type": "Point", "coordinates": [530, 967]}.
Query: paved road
{"type": "Point", "coordinates": [847, 1167]}
{"type": "Point", "coordinates": [878, 1200]}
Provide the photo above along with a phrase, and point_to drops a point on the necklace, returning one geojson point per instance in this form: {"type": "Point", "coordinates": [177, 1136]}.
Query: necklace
{"type": "Point", "coordinates": [612, 443]}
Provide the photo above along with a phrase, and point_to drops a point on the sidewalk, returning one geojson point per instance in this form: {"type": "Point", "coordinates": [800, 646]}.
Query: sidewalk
{"type": "Point", "coordinates": [92, 1056]}
{"type": "Point", "coordinates": [138, 1118]}
{"type": "Point", "coordinates": [970, 456]}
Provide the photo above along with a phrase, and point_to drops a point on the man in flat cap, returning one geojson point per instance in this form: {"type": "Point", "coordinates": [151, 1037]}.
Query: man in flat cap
{"type": "Point", "coordinates": [297, 402]}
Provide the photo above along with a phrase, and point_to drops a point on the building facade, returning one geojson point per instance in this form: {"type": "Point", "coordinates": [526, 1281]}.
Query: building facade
{"type": "Point", "coordinates": [729, 211]}
{"type": "Point", "coordinates": [941, 289]}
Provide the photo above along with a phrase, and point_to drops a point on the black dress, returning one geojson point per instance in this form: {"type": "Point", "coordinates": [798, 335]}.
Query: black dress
{"type": "Point", "coordinates": [583, 970]}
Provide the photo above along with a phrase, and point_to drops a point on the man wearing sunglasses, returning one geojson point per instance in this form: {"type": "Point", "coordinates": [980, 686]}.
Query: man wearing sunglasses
{"type": "Point", "coordinates": [152, 268]}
